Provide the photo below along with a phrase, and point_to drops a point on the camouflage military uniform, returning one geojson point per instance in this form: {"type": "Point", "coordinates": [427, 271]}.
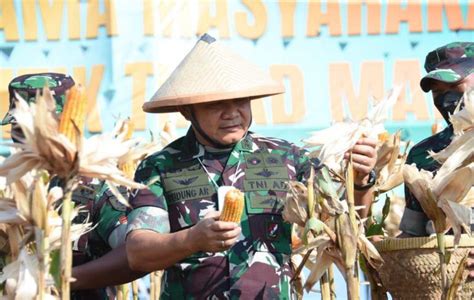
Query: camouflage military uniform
{"type": "Point", "coordinates": [180, 194]}
{"type": "Point", "coordinates": [110, 218]}
{"type": "Point", "coordinates": [449, 64]}
{"type": "Point", "coordinates": [414, 219]}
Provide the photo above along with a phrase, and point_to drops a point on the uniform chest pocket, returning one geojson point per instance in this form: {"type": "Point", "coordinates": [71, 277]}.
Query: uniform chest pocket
{"type": "Point", "coordinates": [189, 197]}
{"type": "Point", "coordinates": [265, 189]}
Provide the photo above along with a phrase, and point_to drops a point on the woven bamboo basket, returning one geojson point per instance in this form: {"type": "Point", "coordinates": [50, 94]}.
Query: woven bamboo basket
{"type": "Point", "coordinates": [412, 267]}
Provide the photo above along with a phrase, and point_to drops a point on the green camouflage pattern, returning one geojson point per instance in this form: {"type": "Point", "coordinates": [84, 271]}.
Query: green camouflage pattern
{"type": "Point", "coordinates": [180, 194]}
{"type": "Point", "coordinates": [27, 86]}
{"type": "Point", "coordinates": [419, 155]}
{"type": "Point", "coordinates": [99, 208]}
{"type": "Point", "coordinates": [450, 63]}
{"type": "Point", "coordinates": [110, 218]}
{"type": "Point", "coordinates": [84, 196]}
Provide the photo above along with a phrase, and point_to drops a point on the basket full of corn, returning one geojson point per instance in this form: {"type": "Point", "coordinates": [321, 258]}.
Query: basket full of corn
{"type": "Point", "coordinates": [411, 268]}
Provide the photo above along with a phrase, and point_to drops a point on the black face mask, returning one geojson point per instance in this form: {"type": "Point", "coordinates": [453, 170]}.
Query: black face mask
{"type": "Point", "coordinates": [447, 102]}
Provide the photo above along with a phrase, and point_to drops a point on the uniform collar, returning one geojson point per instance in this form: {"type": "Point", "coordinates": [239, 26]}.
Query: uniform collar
{"type": "Point", "coordinates": [191, 148]}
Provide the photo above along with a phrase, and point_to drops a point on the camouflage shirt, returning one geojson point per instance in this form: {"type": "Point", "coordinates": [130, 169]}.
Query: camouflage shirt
{"type": "Point", "coordinates": [84, 196]}
{"type": "Point", "coordinates": [109, 220]}
{"type": "Point", "coordinates": [180, 194]}
{"type": "Point", "coordinates": [414, 219]}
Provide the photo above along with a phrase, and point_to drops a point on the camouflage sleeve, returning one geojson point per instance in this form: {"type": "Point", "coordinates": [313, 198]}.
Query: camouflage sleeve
{"type": "Point", "coordinates": [110, 216]}
{"type": "Point", "coordinates": [149, 207]}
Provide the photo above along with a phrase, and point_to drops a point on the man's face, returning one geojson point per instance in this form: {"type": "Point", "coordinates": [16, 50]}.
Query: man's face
{"type": "Point", "coordinates": [439, 87]}
{"type": "Point", "coordinates": [225, 122]}
{"type": "Point", "coordinates": [447, 96]}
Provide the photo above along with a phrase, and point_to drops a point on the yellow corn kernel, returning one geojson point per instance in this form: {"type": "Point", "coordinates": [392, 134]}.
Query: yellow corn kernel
{"type": "Point", "coordinates": [383, 137]}
{"type": "Point", "coordinates": [233, 206]}
{"type": "Point", "coordinates": [296, 242]}
{"type": "Point", "coordinates": [435, 128]}
{"type": "Point", "coordinates": [130, 129]}
{"type": "Point", "coordinates": [73, 116]}
{"type": "Point", "coordinates": [167, 127]}
{"type": "Point", "coordinates": [128, 168]}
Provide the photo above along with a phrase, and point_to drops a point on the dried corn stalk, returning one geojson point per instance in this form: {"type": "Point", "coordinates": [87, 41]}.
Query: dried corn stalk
{"type": "Point", "coordinates": [328, 216]}
{"type": "Point", "coordinates": [44, 148]}
{"type": "Point", "coordinates": [53, 148]}
{"type": "Point", "coordinates": [328, 235]}
{"type": "Point", "coordinates": [437, 195]}
{"type": "Point", "coordinates": [34, 232]}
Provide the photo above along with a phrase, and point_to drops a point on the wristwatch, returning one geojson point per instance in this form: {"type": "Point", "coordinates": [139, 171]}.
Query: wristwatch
{"type": "Point", "coordinates": [370, 183]}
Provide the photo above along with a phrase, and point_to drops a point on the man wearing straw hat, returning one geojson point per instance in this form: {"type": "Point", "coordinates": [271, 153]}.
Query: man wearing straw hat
{"type": "Point", "coordinates": [450, 73]}
{"type": "Point", "coordinates": [90, 275]}
{"type": "Point", "coordinates": [174, 224]}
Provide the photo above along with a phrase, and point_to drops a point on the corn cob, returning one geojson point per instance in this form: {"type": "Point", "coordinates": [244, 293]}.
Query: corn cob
{"type": "Point", "coordinates": [296, 242]}
{"type": "Point", "coordinates": [74, 114]}
{"type": "Point", "coordinates": [128, 168]}
{"type": "Point", "coordinates": [435, 128]}
{"type": "Point", "coordinates": [233, 206]}
{"type": "Point", "coordinates": [168, 128]}
{"type": "Point", "coordinates": [383, 137]}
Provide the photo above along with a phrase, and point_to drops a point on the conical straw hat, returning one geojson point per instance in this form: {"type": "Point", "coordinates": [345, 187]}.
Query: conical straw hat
{"type": "Point", "coordinates": [211, 72]}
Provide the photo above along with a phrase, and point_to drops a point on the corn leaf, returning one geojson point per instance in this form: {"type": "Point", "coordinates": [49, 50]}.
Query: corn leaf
{"type": "Point", "coordinates": [346, 239]}
{"type": "Point", "coordinates": [457, 279]}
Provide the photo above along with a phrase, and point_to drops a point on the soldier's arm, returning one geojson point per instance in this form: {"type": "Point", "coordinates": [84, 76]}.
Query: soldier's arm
{"type": "Point", "coordinates": [149, 250]}
{"type": "Point", "coordinates": [110, 269]}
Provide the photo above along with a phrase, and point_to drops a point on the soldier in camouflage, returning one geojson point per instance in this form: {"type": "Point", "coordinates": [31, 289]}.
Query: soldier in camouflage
{"type": "Point", "coordinates": [94, 197]}
{"type": "Point", "coordinates": [174, 224]}
{"type": "Point", "coordinates": [450, 73]}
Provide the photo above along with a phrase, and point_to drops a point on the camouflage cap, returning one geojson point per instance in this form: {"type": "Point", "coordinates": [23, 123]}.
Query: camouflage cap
{"type": "Point", "coordinates": [450, 63]}
{"type": "Point", "coordinates": [27, 86]}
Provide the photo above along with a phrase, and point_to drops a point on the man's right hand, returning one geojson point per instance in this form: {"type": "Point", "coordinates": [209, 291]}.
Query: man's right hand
{"type": "Point", "coordinates": [212, 235]}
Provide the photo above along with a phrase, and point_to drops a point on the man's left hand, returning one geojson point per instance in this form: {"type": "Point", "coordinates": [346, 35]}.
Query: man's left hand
{"type": "Point", "coordinates": [364, 157]}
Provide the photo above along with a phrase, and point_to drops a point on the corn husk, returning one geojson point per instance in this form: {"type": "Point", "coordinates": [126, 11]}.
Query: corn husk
{"type": "Point", "coordinates": [394, 217]}
{"type": "Point", "coordinates": [440, 195]}
{"type": "Point", "coordinates": [389, 165]}
{"type": "Point", "coordinates": [168, 134]}
{"type": "Point", "coordinates": [295, 208]}
{"type": "Point", "coordinates": [33, 225]}
{"type": "Point", "coordinates": [44, 148]}
{"type": "Point", "coordinates": [335, 240]}
{"type": "Point", "coordinates": [458, 279]}
{"type": "Point", "coordinates": [463, 119]}
{"type": "Point", "coordinates": [21, 276]}
{"type": "Point", "coordinates": [336, 140]}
